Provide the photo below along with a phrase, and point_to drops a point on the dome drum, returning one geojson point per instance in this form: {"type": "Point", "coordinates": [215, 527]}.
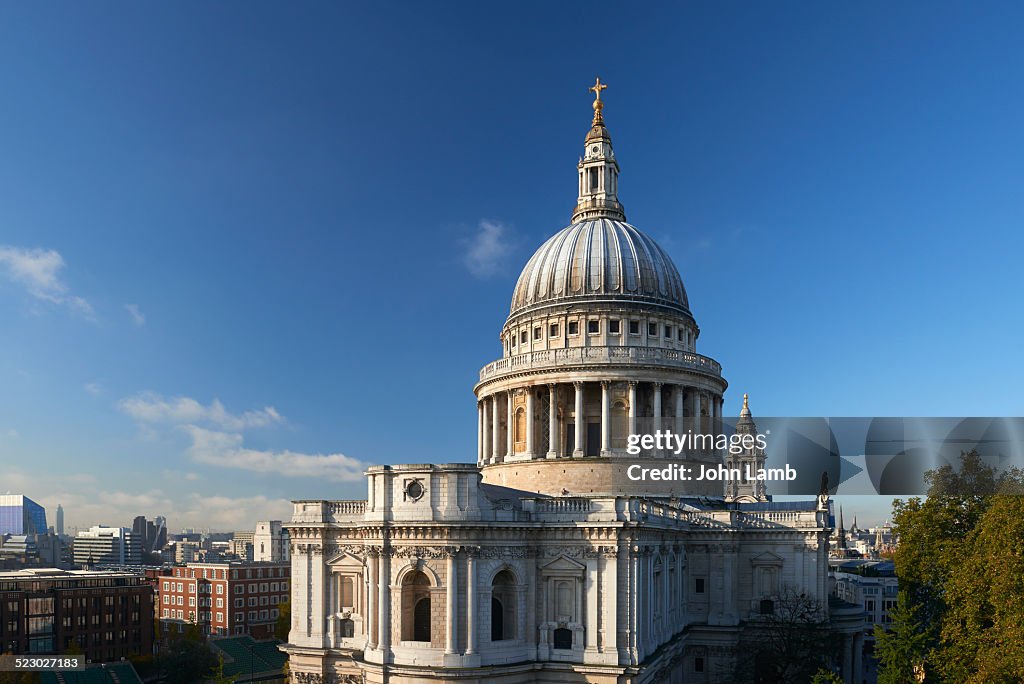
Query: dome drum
{"type": "Point", "coordinates": [599, 344]}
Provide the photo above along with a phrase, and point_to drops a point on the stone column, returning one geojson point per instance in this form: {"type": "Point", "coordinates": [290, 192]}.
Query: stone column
{"type": "Point", "coordinates": [713, 413]}
{"type": "Point", "coordinates": [632, 408]}
{"type": "Point", "coordinates": [485, 406]}
{"type": "Point", "coordinates": [606, 419]}
{"type": "Point", "coordinates": [529, 422]}
{"type": "Point", "coordinates": [678, 393]}
{"type": "Point", "coordinates": [609, 603]}
{"type": "Point", "coordinates": [552, 420]}
{"type": "Point", "coordinates": [510, 424]}
{"type": "Point", "coordinates": [495, 431]}
{"type": "Point", "coordinates": [384, 604]}
{"type": "Point", "coordinates": [451, 604]}
{"type": "Point", "coordinates": [577, 451]}
{"type": "Point", "coordinates": [372, 616]}
{"type": "Point", "coordinates": [479, 433]}
{"type": "Point", "coordinates": [698, 422]}
{"type": "Point", "coordinates": [590, 625]}
{"type": "Point", "coordinates": [471, 601]}
{"type": "Point", "coordinates": [657, 414]}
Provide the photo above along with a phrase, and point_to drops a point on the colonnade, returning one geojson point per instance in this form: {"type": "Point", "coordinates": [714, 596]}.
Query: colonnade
{"type": "Point", "coordinates": [498, 413]}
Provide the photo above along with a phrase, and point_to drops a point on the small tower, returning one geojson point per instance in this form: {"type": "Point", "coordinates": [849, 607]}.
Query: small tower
{"type": "Point", "coordinates": [750, 460]}
{"type": "Point", "coordinates": [598, 171]}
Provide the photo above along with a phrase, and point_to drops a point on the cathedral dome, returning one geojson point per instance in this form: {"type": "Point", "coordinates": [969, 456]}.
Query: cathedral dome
{"type": "Point", "coordinates": [600, 260]}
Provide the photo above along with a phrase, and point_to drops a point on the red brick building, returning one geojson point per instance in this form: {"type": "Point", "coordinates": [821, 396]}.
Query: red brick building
{"type": "Point", "coordinates": [224, 598]}
{"type": "Point", "coordinates": [109, 615]}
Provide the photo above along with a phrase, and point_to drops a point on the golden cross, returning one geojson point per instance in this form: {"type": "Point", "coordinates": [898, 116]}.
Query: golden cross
{"type": "Point", "coordinates": [597, 88]}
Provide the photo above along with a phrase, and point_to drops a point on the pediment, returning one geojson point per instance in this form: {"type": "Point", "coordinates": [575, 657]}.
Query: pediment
{"type": "Point", "coordinates": [767, 558]}
{"type": "Point", "coordinates": [563, 564]}
{"type": "Point", "coordinates": [345, 560]}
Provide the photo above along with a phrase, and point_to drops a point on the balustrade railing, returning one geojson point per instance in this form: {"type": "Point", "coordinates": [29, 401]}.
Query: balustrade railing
{"type": "Point", "coordinates": [577, 356]}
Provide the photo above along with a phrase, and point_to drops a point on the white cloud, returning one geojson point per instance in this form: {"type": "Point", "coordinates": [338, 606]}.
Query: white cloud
{"type": "Point", "coordinates": [150, 407]}
{"type": "Point", "coordinates": [90, 505]}
{"type": "Point", "coordinates": [38, 271]}
{"type": "Point", "coordinates": [93, 388]}
{"type": "Point", "coordinates": [11, 434]}
{"type": "Point", "coordinates": [227, 450]}
{"type": "Point", "coordinates": [487, 250]}
{"type": "Point", "coordinates": [138, 318]}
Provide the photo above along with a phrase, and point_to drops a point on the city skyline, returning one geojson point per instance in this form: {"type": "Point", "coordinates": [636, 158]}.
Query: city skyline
{"type": "Point", "coordinates": [222, 267]}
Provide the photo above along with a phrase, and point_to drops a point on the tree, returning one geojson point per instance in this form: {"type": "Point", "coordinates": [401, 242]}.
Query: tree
{"type": "Point", "coordinates": [904, 645]}
{"type": "Point", "coordinates": [218, 673]}
{"type": "Point", "coordinates": [185, 661]}
{"type": "Point", "coordinates": [983, 632]}
{"type": "Point", "coordinates": [789, 644]}
{"type": "Point", "coordinates": [959, 614]}
{"type": "Point", "coordinates": [284, 620]}
{"type": "Point", "coordinates": [824, 676]}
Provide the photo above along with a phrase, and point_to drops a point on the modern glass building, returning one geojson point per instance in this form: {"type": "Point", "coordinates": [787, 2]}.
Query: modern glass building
{"type": "Point", "coordinates": [21, 515]}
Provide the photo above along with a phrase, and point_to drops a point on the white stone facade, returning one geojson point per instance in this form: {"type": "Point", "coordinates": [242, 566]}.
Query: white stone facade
{"type": "Point", "coordinates": [270, 542]}
{"type": "Point", "coordinates": [541, 562]}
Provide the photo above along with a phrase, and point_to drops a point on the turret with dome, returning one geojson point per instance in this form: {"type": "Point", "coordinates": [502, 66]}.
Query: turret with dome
{"type": "Point", "coordinates": [599, 342]}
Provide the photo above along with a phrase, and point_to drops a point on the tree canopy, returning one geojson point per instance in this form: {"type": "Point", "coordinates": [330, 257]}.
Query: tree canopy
{"type": "Point", "coordinates": [960, 562]}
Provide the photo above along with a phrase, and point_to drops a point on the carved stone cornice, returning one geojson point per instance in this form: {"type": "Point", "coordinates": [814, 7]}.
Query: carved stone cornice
{"type": "Point", "coordinates": [434, 552]}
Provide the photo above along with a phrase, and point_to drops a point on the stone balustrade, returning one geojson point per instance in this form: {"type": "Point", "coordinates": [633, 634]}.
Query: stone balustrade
{"type": "Point", "coordinates": [601, 356]}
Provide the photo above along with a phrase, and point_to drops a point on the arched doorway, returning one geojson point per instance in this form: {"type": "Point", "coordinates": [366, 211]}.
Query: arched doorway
{"type": "Point", "coordinates": [416, 607]}
{"type": "Point", "coordinates": [503, 606]}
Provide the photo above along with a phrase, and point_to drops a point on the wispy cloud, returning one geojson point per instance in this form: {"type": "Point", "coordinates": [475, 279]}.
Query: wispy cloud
{"type": "Point", "coordinates": [38, 271]}
{"type": "Point", "coordinates": [487, 251]}
{"type": "Point", "coordinates": [93, 388]}
{"type": "Point", "coordinates": [138, 318]}
{"type": "Point", "coordinates": [216, 438]}
{"type": "Point", "coordinates": [227, 450]}
{"type": "Point", "coordinates": [150, 407]}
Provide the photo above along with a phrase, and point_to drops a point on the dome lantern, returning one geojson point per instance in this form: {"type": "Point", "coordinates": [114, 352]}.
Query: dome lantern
{"type": "Point", "coordinates": [598, 170]}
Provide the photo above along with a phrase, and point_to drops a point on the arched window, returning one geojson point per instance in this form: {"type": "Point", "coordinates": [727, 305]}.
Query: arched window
{"type": "Point", "coordinates": [415, 607]}
{"type": "Point", "coordinates": [503, 606]}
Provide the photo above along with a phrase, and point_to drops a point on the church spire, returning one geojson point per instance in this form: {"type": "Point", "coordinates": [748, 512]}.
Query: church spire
{"type": "Point", "coordinates": [598, 170]}
{"type": "Point", "coordinates": [749, 460]}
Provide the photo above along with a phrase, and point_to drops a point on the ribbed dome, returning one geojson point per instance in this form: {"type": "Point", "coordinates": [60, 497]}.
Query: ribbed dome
{"type": "Point", "coordinates": [603, 259]}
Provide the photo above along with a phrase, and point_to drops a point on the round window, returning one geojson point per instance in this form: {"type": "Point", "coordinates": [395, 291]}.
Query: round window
{"type": "Point", "coordinates": [414, 489]}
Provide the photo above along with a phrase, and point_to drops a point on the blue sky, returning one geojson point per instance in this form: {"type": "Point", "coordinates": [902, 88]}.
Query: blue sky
{"type": "Point", "coordinates": [243, 245]}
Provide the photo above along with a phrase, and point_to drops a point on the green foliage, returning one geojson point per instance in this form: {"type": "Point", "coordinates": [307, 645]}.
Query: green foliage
{"type": "Point", "coordinates": [218, 673]}
{"type": "Point", "coordinates": [904, 645]}
{"type": "Point", "coordinates": [823, 676]}
{"type": "Point", "coordinates": [186, 661]}
{"type": "Point", "coordinates": [284, 621]}
{"type": "Point", "coordinates": [193, 633]}
{"type": "Point", "coordinates": [960, 560]}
